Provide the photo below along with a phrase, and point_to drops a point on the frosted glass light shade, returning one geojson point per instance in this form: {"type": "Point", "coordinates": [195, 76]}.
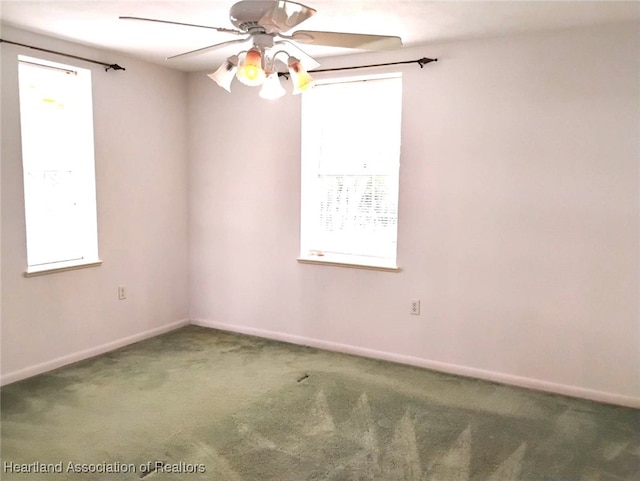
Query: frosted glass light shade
{"type": "Point", "coordinates": [272, 88]}
{"type": "Point", "coordinates": [302, 81]}
{"type": "Point", "coordinates": [225, 73]}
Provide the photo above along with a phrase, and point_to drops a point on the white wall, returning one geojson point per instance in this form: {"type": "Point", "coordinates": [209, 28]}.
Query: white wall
{"type": "Point", "coordinates": [141, 170]}
{"type": "Point", "coordinates": [518, 217]}
{"type": "Point", "coordinates": [518, 226]}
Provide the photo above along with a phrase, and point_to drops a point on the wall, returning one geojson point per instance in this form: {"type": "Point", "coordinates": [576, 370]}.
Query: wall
{"type": "Point", "coordinates": [141, 174]}
{"type": "Point", "coordinates": [518, 223]}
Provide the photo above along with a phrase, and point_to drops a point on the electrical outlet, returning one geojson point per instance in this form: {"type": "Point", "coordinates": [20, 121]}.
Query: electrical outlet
{"type": "Point", "coordinates": [122, 292]}
{"type": "Point", "coordinates": [414, 307]}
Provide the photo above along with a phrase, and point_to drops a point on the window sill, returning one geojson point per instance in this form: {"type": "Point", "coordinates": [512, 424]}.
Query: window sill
{"type": "Point", "coordinates": [60, 267]}
{"type": "Point", "coordinates": [357, 262]}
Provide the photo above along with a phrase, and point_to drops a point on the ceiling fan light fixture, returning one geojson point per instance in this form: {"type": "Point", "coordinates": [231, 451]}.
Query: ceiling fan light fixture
{"type": "Point", "coordinates": [272, 88]}
{"type": "Point", "coordinates": [225, 73]}
{"type": "Point", "coordinates": [302, 80]}
{"type": "Point", "coordinates": [251, 72]}
{"type": "Point", "coordinates": [264, 23]}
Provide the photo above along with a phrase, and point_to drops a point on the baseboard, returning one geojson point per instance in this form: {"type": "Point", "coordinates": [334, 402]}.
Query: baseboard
{"type": "Point", "coordinates": [502, 378]}
{"type": "Point", "coordinates": [87, 353]}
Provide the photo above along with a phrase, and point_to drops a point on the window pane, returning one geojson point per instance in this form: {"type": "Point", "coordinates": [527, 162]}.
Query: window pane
{"type": "Point", "coordinates": [350, 155]}
{"type": "Point", "coordinates": [58, 163]}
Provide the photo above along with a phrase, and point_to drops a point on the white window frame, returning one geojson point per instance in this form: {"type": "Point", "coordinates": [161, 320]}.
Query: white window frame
{"type": "Point", "coordinates": [61, 223]}
{"type": "Point", "coordinates": [323, 167]}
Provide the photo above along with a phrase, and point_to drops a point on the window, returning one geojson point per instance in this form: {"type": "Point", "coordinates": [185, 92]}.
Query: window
{"type": "Point", "coordinates": [350, 166]}
{"type": "Point", "coordinates": [56, 122]}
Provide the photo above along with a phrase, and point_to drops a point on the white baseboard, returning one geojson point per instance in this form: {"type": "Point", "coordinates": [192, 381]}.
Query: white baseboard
{"type": "Point", "coordinates": [87, 353]}
{"type": "Point", "coordinates": [499, 377]}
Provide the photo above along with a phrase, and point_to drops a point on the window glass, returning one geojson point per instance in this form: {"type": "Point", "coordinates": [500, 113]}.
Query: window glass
{"type": "Point", "coordinates": [56, 122]}
{"type": "Point", "coordinates": [350, 165]}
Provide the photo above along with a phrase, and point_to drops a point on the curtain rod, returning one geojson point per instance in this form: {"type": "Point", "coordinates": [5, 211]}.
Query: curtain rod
{"type": "Point", "coordinates": [421, 61]}
{"type": "Point", "coordinates": [110, 66]}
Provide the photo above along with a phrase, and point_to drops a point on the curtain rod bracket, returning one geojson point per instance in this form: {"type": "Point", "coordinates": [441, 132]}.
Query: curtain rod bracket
{"type": "Point", "coordinates": [424, 60]}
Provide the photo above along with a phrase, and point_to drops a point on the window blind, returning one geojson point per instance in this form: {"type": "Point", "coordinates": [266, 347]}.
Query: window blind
{"type": "Point", "coordinates": [351, 152]}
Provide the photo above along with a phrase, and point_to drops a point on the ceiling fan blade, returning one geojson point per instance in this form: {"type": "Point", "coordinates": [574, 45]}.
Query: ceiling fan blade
{"type": "Point", "coordinates": [218, 29]}
{"type": "Point", "coordinates": [285, 15]}
{"type": "Point", "coordinates": [210, 48]}
{"type": "Point", "coordinates": [347, 40]}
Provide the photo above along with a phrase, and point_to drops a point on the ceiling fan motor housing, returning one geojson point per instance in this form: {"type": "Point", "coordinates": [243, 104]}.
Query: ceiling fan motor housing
{"type": "Point", "coordinates": [246, 14]}
{"type": "Point", "coordinates": [268, 17]}
{"type": "Point", "coordinates": [263, 41]}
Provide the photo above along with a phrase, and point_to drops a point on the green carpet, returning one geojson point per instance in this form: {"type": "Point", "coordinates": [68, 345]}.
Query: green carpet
{"type": "Point", "coordinates": [200, 404]}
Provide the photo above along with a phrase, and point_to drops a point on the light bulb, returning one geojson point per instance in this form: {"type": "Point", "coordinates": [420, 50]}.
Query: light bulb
{"type": "Point", "coordinates": [251, 72]}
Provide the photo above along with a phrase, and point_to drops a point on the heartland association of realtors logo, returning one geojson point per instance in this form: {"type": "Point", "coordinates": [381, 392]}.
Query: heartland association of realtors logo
{"type": "Point", "coordinates": [115, 467]}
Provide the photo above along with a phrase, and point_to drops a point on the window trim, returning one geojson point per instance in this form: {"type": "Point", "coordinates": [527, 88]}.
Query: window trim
{"type": "Point", "coordinates": [337, 261]}
{"type": "Point", "coordinates": [34, 271]}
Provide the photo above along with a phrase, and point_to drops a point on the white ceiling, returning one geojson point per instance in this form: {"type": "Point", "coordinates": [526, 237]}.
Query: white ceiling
{"type": "Point", "coordinates": [418, 22]}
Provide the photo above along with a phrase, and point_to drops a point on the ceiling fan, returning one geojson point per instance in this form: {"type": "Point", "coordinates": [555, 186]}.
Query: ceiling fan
{"type": "Point", "coordinates": [264, 27]}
